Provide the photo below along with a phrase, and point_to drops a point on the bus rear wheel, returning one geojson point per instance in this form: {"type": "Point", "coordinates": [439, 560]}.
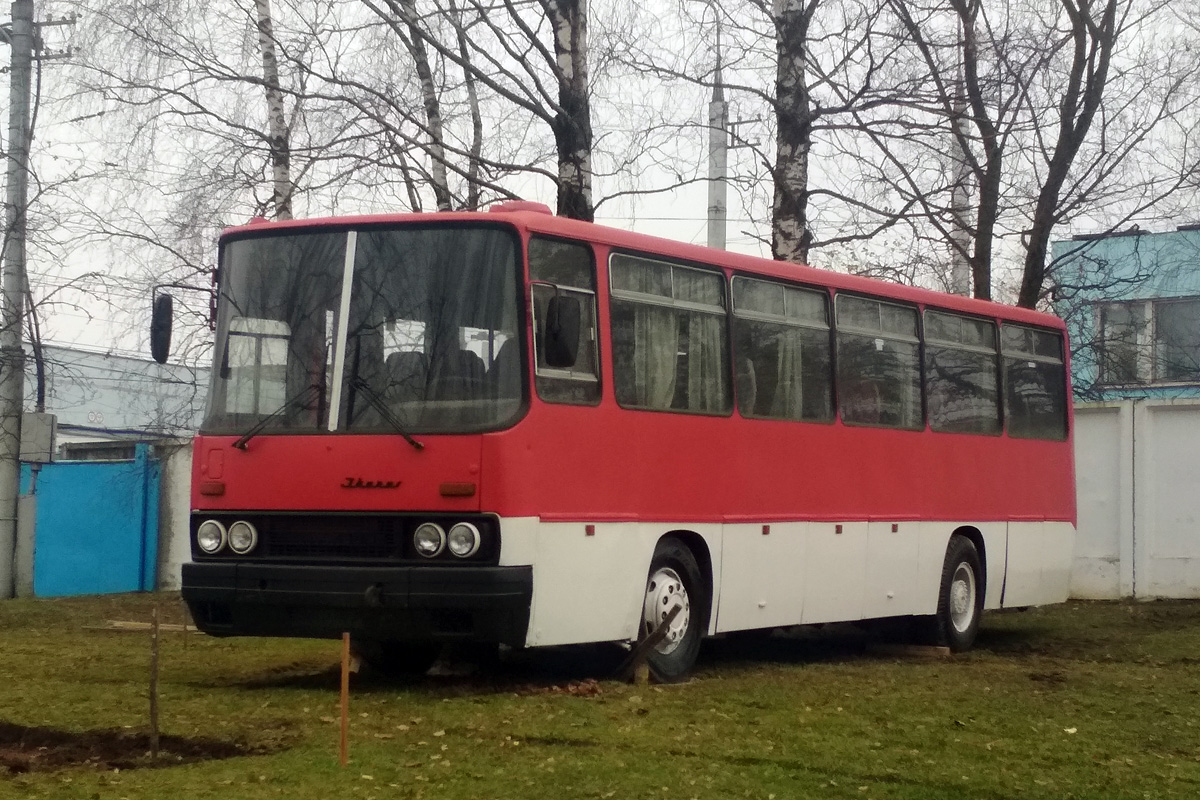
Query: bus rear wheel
{"type": "Point", "coordinates": [674, 582]}
{"type": "Point", "coordinates": [960, 598]}
{"type": "Point", "coordinates": [401, 659]}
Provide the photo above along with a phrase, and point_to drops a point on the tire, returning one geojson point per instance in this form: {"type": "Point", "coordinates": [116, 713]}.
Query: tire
{"type": "Point", "coordinates": [674, 580]}
{"type": "Point", "coordinates": [401, 659]}
{"type": "Point", "coordinates": [960, 597]}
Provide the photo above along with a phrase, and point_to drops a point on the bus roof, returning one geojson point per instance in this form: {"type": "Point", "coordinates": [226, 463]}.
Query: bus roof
{"type": "Point", "coordinates": [536, 218]}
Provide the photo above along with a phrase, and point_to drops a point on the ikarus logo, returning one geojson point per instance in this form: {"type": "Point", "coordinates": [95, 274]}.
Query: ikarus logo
{"type": "Point", "coordinates": [359, 483]}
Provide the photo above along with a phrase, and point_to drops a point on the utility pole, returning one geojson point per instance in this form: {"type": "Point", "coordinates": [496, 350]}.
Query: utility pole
{"type": "Point", "coordinates": [718, 155]}
{"type": "Point", "coordinates": [12, 354]}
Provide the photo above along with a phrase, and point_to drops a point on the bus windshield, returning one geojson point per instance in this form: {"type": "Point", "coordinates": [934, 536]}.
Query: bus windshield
{"type": "Point", "coordinates": [425, 342]}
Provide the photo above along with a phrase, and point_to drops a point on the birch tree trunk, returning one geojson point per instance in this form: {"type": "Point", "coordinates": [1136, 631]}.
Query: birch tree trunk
{"type": "Point", "coordinates": [572, 122]}
{"type": "Point", "coordinates": [433, 109]}
{"type": "Point", "coordinates": [280, 146]}
{"type": "Point", "coordinates": [790, 232]}
{"type": "Point", "coordinates": [473, 163]}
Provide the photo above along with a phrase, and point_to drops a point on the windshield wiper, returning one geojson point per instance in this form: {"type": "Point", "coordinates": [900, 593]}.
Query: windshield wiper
{"type": "Point", "coordinates": [379, 405]}
{"type": "Point", "coordinates": [299, 397]}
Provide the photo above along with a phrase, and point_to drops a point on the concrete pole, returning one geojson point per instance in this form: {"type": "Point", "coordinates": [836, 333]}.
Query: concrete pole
{"type": "Point", "coordinates": [12, 355]}
{"type": "Point", "coordinates": [718, 154]}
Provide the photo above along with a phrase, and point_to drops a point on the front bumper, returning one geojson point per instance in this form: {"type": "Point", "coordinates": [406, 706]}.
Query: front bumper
{"type": "Point", "coordinates": [403, 603]}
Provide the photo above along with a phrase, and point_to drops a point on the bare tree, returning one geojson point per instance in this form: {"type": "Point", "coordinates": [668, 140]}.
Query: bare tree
{"type": "Point", "coordinates": [1023, 96]}
{"type": "Point", "coordinates": [509, 55]}
{"type": "Point", "coordinates": [415, 44]}
{"type": "Point", "coordinates": [1094, 29]}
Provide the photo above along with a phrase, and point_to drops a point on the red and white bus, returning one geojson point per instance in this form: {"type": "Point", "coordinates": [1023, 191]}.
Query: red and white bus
{"type": "Point", "coordinates": [512, 427]}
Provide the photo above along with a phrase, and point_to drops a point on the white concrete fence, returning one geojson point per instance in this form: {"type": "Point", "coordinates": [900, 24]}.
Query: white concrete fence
{"type": "Point", "coordinates": [1137, 469]}
{"type": "Point", "coordinates": [174, 508]}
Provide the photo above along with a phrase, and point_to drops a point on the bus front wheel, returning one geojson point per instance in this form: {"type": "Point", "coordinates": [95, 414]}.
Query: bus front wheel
{"type": "Point", "coordinates": [674, 582]}
{"type": "Point", "coordinates": [960, 598]}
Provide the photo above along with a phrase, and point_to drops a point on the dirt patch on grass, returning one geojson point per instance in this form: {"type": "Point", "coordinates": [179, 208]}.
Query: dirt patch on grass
{"type": "Point", "coordinates": [30, 749]}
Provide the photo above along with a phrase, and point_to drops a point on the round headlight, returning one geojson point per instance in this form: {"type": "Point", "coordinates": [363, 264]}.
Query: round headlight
{"type": "Point", "coordinates": [463, 540]}
{"type": "Point", "coordinates": [429, 539]}
{"type": "Point", "coordinates": [210, 536]}
{"type": "Point", "coordinates": [242, 537]}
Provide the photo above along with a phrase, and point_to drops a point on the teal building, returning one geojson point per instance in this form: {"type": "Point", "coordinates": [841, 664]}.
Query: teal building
{"type": "Point", "coordinates": [1132, 303]}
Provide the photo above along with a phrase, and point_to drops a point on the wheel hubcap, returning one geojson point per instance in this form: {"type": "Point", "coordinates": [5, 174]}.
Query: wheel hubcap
{"type": "Point", "coordinates": [962, 598]}
{"type": "Point", "coordinates": [666, 591]}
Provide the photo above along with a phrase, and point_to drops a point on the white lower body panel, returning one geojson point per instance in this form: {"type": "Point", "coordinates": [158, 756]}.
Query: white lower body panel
{"type": "Point", "coordinates": [589, 587]}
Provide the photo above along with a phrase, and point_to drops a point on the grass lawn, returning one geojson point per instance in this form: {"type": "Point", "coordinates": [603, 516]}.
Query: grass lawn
{"type": "Point", "coordinates": [1086, 700]}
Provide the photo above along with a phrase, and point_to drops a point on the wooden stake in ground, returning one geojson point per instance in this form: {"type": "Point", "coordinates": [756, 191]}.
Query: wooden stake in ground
{"type": "Point", "coordinates": [343, 744]}
{"type": "Point", "coordinates": [634, 667]}
{"type": "Point", "coordinates": [184, 608]}
{"type": "Point", "coordinates": [154, 679]}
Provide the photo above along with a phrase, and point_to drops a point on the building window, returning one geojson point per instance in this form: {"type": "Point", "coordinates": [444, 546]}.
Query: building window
{"type": "Point", "coordinates": [1177, 341]}
{"type": "Point", "coordinates": [1149, 341]}
{"type": "Point", "coordinates": [1123, 339]}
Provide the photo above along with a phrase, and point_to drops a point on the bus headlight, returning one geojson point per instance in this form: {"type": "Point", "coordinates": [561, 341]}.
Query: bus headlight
{"type": "Point", "coordinates": [243, 537]}
{"type": "Point", "coordinates": [463, 540]}
{"type": "Point", "coordinates": [210, 536]}
{"type": "Point", "coordinates": [429, 539]}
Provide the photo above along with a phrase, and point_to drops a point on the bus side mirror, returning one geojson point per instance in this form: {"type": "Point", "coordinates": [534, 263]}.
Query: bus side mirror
{"type": "Point", "coordinates": [161, 319]}
{"type": "Point", "coordinates": [561, 345]}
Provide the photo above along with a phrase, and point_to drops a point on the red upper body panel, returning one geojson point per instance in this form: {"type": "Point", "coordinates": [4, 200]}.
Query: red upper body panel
{"type": "Point", "coordinates": [599, 463]}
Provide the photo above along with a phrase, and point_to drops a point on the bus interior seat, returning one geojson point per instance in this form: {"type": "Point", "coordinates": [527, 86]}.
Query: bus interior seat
{"type": "Point", "coordinates": [460, 377]}
{"type": "Point", "coordinates": [504, 376]}
{"type": "Point", "coordinates": [407, 374]}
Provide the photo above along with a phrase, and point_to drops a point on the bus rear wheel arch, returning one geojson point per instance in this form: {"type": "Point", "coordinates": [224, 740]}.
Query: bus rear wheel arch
{"type": "Point", "coordinates": [675, 581]}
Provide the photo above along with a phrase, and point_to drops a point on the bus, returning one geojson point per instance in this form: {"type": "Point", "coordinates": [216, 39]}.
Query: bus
{"type": "Point", "coordinates": [509, 427]}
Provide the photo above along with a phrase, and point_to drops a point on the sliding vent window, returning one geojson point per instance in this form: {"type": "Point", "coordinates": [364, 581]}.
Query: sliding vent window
{"type": "Point", "coordinates": [783, 353]}
{"type": "Point", "coordinates": [669, 337]}
{"type": "Point", "coordinates": [878, 372]}
{"type": "Point", "coordinates": [1035, 383]}
{"type": "Point", "coordinates": [563, 276]}
{"type": "Point", "coordinates": [961, 374]}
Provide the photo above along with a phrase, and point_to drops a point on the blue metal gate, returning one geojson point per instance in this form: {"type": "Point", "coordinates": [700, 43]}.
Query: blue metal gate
{"type": "Point", "coordinates": [96, 525]}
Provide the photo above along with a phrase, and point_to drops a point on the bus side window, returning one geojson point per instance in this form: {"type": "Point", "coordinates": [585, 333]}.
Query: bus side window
{"type": "Point", "coordinates": [877, 343]}
{"type": "Point", "coordinates": [781, 337]}
{"type": "Point", "coordinates": [1035, 383]}
{"type": "Point", "coordinates": [862, 403]}
{"type": "Point", "coordinates": [565, 270]}
{"type": "Point", "coordinates": [961, 369]}
{"type": "Point", "coordinates": [669, 336]}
